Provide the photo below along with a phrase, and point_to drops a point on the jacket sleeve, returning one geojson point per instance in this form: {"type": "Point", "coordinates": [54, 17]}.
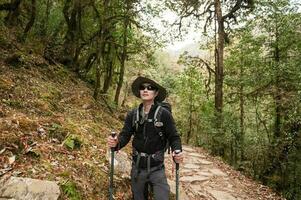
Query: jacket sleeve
{"type": "Point", "coordinates": [126, 132]}
{"type": "Point", "coordinates": [171, 131]}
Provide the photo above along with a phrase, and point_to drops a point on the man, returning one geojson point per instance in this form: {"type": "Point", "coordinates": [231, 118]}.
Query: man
{"type": "Point", "coordinates": [150, 138]}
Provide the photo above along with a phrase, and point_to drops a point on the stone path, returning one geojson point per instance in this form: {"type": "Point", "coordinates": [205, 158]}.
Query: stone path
{"type": "Point", "coordinates": [205, 177]}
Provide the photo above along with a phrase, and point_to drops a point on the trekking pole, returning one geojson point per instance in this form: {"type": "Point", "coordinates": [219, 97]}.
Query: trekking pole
{"type": "Point", "coordinates": [177, 176]}
{"type": "Point", "coordinates": [113, 134]}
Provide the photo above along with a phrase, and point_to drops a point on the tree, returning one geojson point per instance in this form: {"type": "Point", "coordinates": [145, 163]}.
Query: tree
{"type": "Point", "coordinates": [221, 15]}
{"type": "Point", "coordinates": [267, 52]}
{"type": "Point", "coordinates": [190, 93]}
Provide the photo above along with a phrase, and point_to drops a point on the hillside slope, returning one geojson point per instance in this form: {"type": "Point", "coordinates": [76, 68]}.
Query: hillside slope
{"type": "Point", "coordinates": [50, 126]}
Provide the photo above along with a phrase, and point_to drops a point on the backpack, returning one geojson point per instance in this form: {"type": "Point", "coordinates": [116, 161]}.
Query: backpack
{"type": "Point", "coordinates": [158, 124]}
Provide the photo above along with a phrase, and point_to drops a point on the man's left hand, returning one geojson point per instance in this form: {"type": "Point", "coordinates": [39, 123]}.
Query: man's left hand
{"type": "Point", "coordinates": [178, 157]}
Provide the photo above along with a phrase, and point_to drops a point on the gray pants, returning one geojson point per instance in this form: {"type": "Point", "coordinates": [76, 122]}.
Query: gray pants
{"type": "Point", "coordinates": [156, 177]}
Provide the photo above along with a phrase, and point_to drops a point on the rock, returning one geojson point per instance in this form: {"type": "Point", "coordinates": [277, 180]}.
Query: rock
{"type": "Point", "coordinates": [203, 173]}
{"type": "Point", "coordinates": [87, 106]}
{"type": "Point", "coordinates": [196, 155]}
{"type": "Point", "coordinates": [191, 166]}
{"type": "Point", "coordinates": [217, 172]}
{"type": "Point", "coordinates": [28, 189]}
{"type": "Point", "coordinates": [221, 195]}
{"type": "Point", "coordinates": [205, 162]}
{"type": "Point", "coordinates": [194, 179]}
{"type": "Point", "coordinates": [122, 163]}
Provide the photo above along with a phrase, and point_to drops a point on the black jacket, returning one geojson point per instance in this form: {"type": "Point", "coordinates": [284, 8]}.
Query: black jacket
{"type": "Point", "coordinates": [149, 141]}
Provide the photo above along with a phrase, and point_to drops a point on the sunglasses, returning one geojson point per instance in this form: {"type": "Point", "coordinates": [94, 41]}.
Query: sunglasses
{"type": "Point", "coordinates": [148, 87]}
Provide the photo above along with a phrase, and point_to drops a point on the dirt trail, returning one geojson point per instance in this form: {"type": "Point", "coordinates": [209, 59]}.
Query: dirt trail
{"type": "Point", "coordinates": [205, 177]}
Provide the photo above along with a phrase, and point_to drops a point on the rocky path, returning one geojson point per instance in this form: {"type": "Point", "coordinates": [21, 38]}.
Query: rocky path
{"type": "Point", "coordinates": [205, 177]}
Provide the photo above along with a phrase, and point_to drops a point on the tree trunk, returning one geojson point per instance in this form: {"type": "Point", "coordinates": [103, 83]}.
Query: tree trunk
{"type": "Point", "coordinates": [31, 21]}
{"type": "Point", "coordinates": [189, 132]}
{"type": "Point", "coordinates": [45, 20]}
{"type": "Point", "coordinates": [219, 66]}
{"type": "Point", "coordinates": [71, 44]}
{"type": "Point", "coordinates": [14, 11]}
{"type": "Point", "coordinates": [278, 150]}
{"type": "Point", "coordinates": [109, 69]}
{"type": "Point", "coordinates": [125, 94]}
{"type": "Point", "coordinates": [91, 59]}
{"type": "Point", "coordinates": [277, 97]}
{"type": "Point", "coordinates": [101, 47]}
{"type": "Point", "coordinates": [122, 61]}
{"type": "Point", "coordinates": [242, 113]}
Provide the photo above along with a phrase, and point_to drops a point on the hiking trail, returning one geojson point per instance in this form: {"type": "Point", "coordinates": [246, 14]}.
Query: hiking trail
{"type": "Point", "coordinates": [205, 177]}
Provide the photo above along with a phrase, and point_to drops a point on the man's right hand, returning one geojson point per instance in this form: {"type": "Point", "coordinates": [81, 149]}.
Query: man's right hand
{"type": "Point", "coordinates": [112, 141]}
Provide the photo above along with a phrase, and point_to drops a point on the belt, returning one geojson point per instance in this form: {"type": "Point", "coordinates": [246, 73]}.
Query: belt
{"type": "Point", "coordinates": [148, 156]}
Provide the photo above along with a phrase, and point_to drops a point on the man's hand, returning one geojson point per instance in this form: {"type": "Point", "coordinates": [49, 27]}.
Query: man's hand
{"type": "Point", "coordinates": [112, 141]}
{"type": "Point", "coordinates": [178, 157]}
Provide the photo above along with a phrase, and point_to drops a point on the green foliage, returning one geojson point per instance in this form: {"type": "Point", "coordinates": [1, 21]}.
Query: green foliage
{"type": "Point", "coordinates": [263, 74]}
{"type": "Point", "coordinates": [70, 190]}
{"type": "Point", "coordinates": [190, 94]}
{"type": "Point", "coordinates": [73, 142]}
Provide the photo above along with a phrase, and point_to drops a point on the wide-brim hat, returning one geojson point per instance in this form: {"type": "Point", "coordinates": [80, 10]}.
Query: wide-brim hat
{"type": "Point", "coordinates": [162, 93]}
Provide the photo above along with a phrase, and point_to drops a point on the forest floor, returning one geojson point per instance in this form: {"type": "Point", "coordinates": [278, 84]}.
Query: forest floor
{"type": "Point", "coordinates": [203, 177]}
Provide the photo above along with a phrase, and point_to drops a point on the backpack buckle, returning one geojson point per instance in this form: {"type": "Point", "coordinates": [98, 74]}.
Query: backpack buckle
{"type": "Point", "coordinates": [158, 124]}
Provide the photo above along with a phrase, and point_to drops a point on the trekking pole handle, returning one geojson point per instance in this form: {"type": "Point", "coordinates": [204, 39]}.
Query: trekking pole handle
{"type": "Point", "coordinates": [177, 151]}
{"type": "Point", "coordinates": [177, 164]}
{"type": "Point", "coordinates": [113, 135]}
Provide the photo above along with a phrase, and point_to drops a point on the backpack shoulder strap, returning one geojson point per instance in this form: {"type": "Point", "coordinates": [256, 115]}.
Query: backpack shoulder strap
{"type": "Point", "coordinates": [135, 119]}
{"type": "Point", "coordinates": [157, 115]}
{"type": "Point", "coordinates": [159, 125]}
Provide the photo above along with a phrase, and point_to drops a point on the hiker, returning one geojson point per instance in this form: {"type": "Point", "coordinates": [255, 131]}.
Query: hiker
{"type": "Point", "coordinates": [150, 137]}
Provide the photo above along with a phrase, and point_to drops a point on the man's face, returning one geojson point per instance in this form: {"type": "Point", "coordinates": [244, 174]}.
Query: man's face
{"type": "Point", "coordinates": [148, 92]}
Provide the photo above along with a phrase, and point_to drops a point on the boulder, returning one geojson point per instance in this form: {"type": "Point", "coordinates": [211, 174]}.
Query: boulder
{"type": "Point", "coordinates": [122, 163]}
{"type": "Point", "coordinates": [28, 189]}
